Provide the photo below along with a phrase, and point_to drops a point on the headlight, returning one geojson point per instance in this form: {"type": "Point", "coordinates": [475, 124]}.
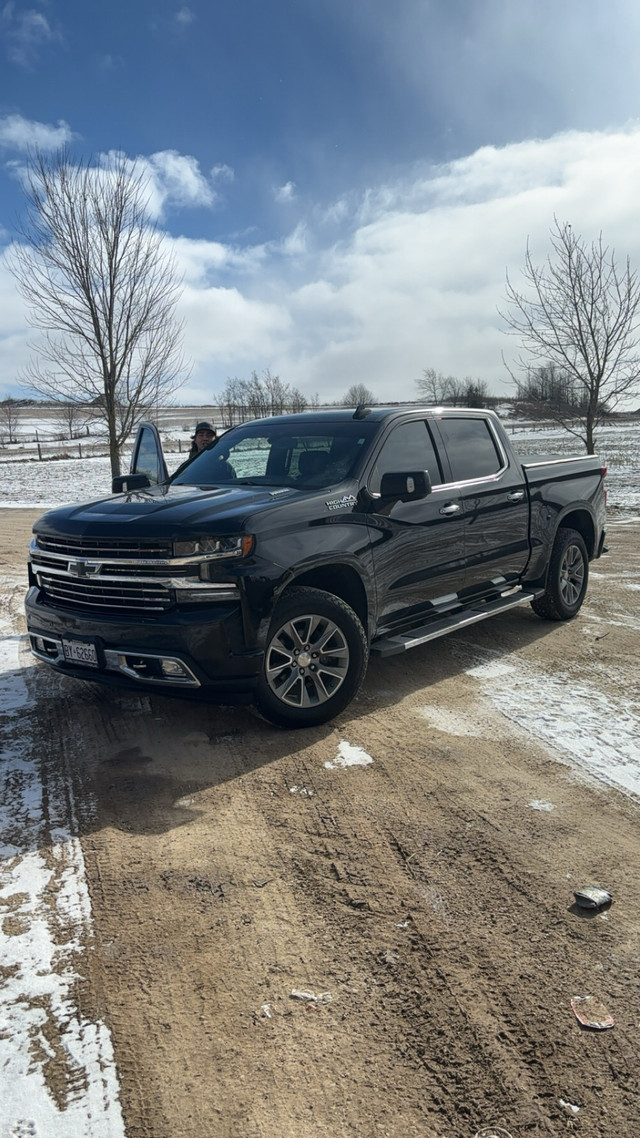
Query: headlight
{"type": "Point", "coordinates": [209, 547]}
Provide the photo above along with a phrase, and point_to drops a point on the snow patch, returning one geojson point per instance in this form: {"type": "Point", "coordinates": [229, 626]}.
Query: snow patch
{"type": "Point", "coordinates": [581, 724]}
{"type": "Point", "coordinates": [57, 1069]}
{"type": "Point", "coordinates": [349, 756]}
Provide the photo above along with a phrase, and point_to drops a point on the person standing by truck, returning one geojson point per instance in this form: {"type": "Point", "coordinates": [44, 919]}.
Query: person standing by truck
{"type": "Point", "coordinates": [204, 435]}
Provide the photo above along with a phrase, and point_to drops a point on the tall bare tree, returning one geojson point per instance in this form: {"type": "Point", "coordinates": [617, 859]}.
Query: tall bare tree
{"type": "Point", "coordinates": [579, 313]}
{"type": "Point", "coordinates": [102, 288]}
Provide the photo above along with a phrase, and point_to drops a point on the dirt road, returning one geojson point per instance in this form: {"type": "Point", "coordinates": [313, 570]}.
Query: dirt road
{"type": "Point", "coordinates": [410, 867]}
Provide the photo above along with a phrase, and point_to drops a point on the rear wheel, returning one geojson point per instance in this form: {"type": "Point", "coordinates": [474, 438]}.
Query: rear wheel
{"type": "Point", "coordinates": [567, 580]}
{"type": "Point", "coordinates": [315, 659]}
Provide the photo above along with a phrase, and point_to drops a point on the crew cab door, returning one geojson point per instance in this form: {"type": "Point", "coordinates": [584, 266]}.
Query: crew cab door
{"type": "Point", "coordinates": [417, 546]}
{"type": "Point", "coordinates": [494, 497]}
{"type": "Point", "coordinates": [147, 457]}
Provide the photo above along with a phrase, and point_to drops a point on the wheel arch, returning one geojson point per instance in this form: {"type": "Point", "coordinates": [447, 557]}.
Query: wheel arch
{"type": "Point", "coordinates": [341, 580]}
{"type": "Point", "coordinates": [581, 520]}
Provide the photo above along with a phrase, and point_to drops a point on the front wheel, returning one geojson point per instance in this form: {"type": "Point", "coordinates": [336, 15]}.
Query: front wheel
{"type": "Point", "coordinates": [567, 579]}
{"type": "Point", "coordinates": [315, 659]}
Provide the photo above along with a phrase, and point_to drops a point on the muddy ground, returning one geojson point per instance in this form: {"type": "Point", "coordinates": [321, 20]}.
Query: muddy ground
{"type": "Point", "coordinates": [426, 897]}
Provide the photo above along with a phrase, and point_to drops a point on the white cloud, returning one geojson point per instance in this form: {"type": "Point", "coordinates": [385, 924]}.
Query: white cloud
{"type": "Point", "coordinates": [222, 173]}
{"type": "Point", "coordinates": [415, 279]}
{"type": "Point", "coordinates": [227, 333]}
{"type": "Point", "coordinates": [173, 181]}
{"type": "Point", "coordinates": [179, 178]}
{"type": "Point", "coordinates": [285, 193]}
{"type": "Point", "coordinates": [185, 16]}
{"type": "Point", "coordinates": [18, 133]}
{"type": "Point", "coordinates": [25, 33]}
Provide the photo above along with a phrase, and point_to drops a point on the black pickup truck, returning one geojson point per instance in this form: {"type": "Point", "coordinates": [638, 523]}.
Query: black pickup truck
{"type": "Point", "coordinates": [269, 568]}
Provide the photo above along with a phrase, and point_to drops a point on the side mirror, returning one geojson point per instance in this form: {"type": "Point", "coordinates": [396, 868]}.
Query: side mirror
{"type": "Point", "coordinates": [408, 486]}
{"type": "Point", "coordinates": [126, 482]}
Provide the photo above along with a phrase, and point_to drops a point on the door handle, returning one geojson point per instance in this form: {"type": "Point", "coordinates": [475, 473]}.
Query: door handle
{"type": "Point", "coordinates": [449, 510]}
{"type": "Point", "coordinates": [515, 496]}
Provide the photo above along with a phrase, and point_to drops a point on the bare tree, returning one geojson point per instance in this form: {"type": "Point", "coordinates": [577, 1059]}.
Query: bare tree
{"type": "Point", "coordinates": [257, 397]}
{"type": "Point", "coordinates": [9, 419]}
{"type": "Point", "coordinates": [356, 395]}
{"type": "Point", "coordinates": [297, 401]}
{"type": "Point", "coordinates": [579, 313]}
{"type": "Point", "coordinates": [448, 390]}
{"type": "Point", "coordinates": [74, 417]}
{"type": "Point", "coordinates": [101, 287]}
{"type": "Point", "coordinates": [435, 387]}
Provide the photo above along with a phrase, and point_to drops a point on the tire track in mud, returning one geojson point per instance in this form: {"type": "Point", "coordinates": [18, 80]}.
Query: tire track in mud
{"type": "Point", "coordinates": [479, 935]}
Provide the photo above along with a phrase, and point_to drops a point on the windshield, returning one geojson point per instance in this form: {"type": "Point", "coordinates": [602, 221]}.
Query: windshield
{"type": "Point", "coordinates": [257, 454]}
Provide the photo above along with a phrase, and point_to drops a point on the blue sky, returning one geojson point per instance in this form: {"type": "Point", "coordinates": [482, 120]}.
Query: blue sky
{"type": "Point", "coordinates": [344, 183]}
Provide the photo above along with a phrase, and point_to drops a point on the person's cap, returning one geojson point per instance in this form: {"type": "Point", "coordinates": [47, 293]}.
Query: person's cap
{"type": "Point", "coordinates": [204, 427]}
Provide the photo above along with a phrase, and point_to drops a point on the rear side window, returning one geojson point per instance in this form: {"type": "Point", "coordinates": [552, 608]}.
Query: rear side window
{"type": "Point", "coordinates": [409, 447]}
{"type": "Point", "coordinates": [471, 448]}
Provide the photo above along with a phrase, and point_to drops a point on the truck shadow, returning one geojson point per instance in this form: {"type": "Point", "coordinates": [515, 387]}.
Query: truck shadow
{"type": "Point", "coordinates": [139, 762]}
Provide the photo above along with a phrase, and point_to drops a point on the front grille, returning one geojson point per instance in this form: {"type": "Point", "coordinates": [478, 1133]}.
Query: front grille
{"type": "Point", "coordinates": [101, 595]}
{"type": "Point", "coordinates": [96, 547]}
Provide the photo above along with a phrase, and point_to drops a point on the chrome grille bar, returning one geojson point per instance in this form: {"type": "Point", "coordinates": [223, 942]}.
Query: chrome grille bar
{"type": "Point", "coordinates": [101, 594]}
{"type": "Point", "coordinates": [103, 547]}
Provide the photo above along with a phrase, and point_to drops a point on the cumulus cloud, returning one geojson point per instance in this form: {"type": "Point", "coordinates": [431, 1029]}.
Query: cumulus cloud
{"type": "Point", "coordinates": [26, 32]}
{"type": "Point", "coordinates": [18, 133]}
{"type": "Point", "coordinates": [180, 180]}
{"type": "Point", "coordinates": [415, 276]}
{"type": "Point", "coordinates": [174, 181]}
{"type": "Point", "coordinates": [418, 274]}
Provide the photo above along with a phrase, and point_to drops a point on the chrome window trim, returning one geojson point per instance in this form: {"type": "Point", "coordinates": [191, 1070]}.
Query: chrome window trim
{"type": "Point", "coordinates": [501, 454]}
{"type": "Point", "coordinates": [556, 461]}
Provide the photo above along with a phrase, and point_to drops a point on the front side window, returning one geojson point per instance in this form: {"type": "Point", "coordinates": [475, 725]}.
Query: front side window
{"type": "Point", "coordinates": [471, 448]}
{"type": "Point", "coordinates": [409, 447]}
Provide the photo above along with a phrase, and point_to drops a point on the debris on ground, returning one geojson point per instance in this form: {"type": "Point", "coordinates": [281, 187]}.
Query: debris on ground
{"type": "Point", "coordinates": [592, 897]}
{"type": "Point", "coordinates": [591, 1012]}
{"type": "Point", "coordinates": [311, 997]}
{"type": "Point", "coordinates": [569, 1106]}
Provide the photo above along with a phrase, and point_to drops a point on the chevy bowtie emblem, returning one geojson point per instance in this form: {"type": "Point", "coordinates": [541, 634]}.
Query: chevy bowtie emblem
{"type": "Point", "coordinates": [83, 568]}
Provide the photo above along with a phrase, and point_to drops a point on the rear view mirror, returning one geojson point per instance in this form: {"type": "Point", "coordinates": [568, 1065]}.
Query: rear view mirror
{"type": "Point", "coordinates": [126, 482]}
{"type": "Point", "coordinates": [408, 486]}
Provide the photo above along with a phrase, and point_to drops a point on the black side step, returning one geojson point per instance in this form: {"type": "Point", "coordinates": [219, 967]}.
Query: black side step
{"type": "Point", "coordinates": [401, 642]}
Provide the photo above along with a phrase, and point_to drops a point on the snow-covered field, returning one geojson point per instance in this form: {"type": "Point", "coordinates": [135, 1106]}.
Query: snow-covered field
{"type": "Point", "coordinates": [31, 483]}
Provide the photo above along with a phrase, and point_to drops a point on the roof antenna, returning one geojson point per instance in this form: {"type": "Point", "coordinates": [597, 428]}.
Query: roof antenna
{"type": "Point", "coordinates": [361, 411]}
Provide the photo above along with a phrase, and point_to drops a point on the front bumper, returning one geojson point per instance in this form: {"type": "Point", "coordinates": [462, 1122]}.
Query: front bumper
{"type": "Point", "coordinates": [199, 651]}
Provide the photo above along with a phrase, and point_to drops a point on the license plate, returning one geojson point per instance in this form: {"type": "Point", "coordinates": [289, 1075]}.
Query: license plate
{"type": "Point", "coordinates": [80, 652]}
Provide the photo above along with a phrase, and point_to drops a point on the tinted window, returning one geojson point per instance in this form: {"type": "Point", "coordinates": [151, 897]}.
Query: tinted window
{"type": "Point", "coordinates": [147, 459]}
{"type": "Point", "coordinates": [471, 448]}
{"type": "Point", "coordinates": [282, 454]}
{"type": "Point", "coordinates": [409, 447]}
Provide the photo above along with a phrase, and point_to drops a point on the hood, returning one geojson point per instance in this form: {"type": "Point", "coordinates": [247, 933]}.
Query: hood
{"type": "Point", "coordinates": [173, 512]}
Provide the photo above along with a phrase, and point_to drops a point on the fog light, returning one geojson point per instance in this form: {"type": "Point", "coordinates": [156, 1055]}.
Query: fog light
{"type": "Point", "coordinates": [173, 668]}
